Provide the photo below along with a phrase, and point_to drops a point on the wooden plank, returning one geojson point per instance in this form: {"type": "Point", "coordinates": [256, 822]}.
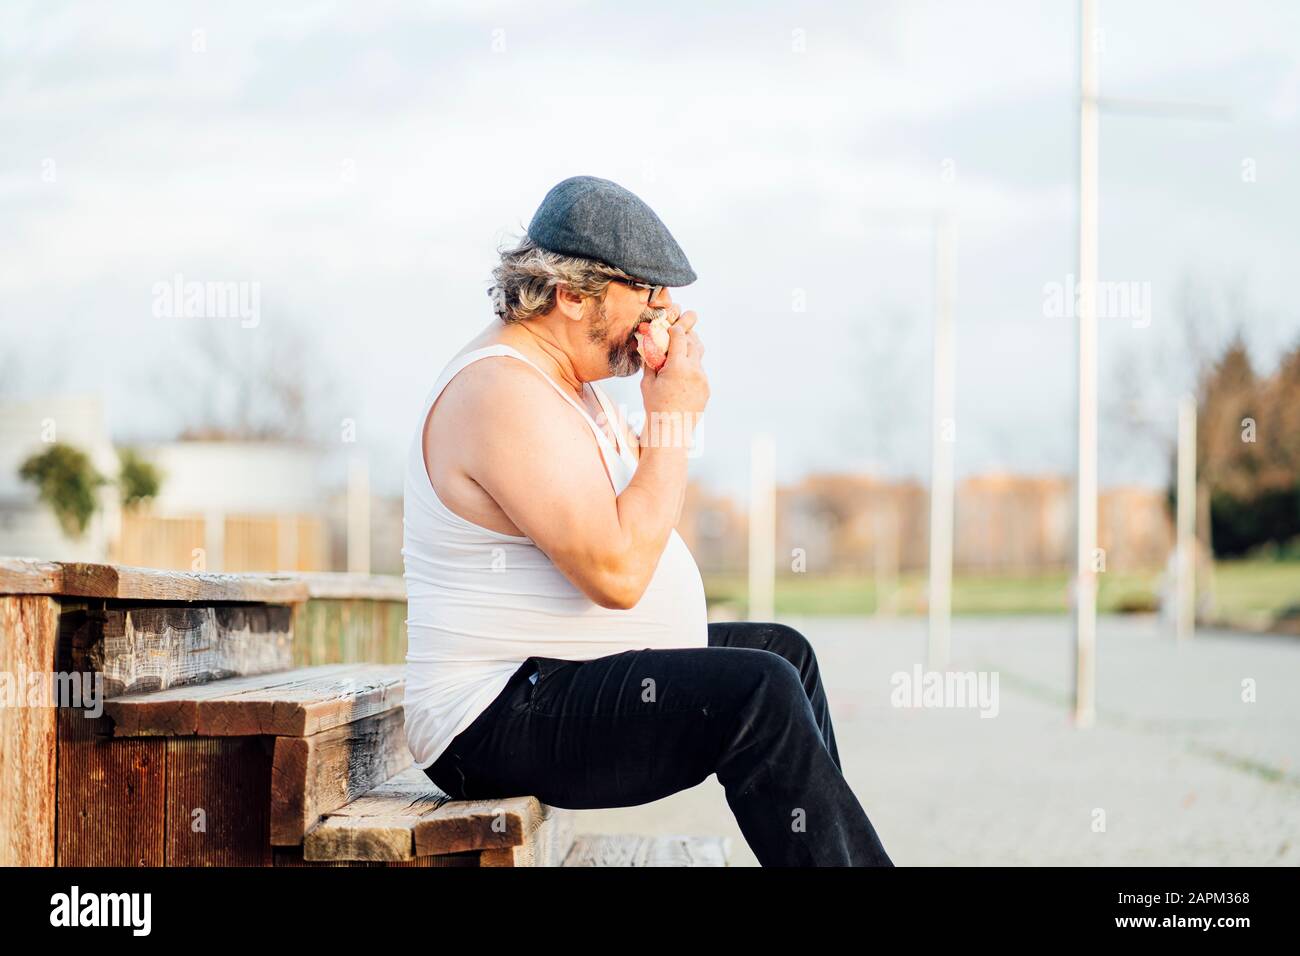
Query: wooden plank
{"type": "Point", "coordinates": [343, 586]}
{"type": "Point", "coordinates": [547, 844]}
{"type": "Point", "coordinates": [30, 576]}
{"type": "Point", "coordinates": [295, 703]}
{"type": "Point", "coordinates": [292, 856]}
{"type": "Point", "coordinates": [380, 825]}
{"type": "Point", "coordinates": [111, 795]}
{"type": "Point", "coordinates": [140, 649]}
{"type": "Point", "coordinates": [218, 802]}
{"type": "Point", "coordinates": [446, 859]}
{"type": "Point", "coordinates": [623, 849]}
{"type": "Point", "coordinates": [479, 825]}
{"type": "Point", "coordinates": [313, 776]}
{"type": "Point", "coordinates": [28, 639]}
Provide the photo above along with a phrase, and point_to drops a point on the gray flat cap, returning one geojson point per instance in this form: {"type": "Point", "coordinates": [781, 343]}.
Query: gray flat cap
{"type": "Point", "coordinates": [597, 219]}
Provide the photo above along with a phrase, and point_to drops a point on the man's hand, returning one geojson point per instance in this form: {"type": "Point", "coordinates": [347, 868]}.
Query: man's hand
{"type": "Point", "coordinates": [681, 385]}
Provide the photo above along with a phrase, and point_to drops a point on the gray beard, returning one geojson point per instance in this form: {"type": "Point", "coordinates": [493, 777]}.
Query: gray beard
{"type": "Point", "coordinates": [623, 358]}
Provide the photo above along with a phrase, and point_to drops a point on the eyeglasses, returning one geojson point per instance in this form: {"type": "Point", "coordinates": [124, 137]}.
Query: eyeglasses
{"type": "Point", "coordinates": [654, 289]}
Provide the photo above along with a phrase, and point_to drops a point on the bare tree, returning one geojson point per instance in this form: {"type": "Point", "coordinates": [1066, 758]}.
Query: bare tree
{"type": "Point", "coordinates": [270, 383]}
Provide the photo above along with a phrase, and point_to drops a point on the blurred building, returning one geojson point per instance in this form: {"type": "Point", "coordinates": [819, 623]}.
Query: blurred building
{"type": "Point", "coordinates": [714, 527]}
{"type": "Point", "coordinates": [28, 528]}
{"type": "Point", "coordinates": [851, 523]}
{"type": "Point", "coordinates": [856, 524]}
{"type": "Point", "coordinates": [1009, 523]}
{"type": "Point", "coordinates": [232, 506]}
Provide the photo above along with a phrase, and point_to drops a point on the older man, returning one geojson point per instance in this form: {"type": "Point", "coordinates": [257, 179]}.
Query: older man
{"type": "Point", "coordinates": [558, 639]}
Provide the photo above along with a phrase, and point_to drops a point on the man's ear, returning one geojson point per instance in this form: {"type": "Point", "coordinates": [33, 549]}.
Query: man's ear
{"type": "Point", "coordinates": [568, 302]}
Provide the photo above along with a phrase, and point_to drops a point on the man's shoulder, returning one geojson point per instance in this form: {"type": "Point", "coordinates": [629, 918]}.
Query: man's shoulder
{"type": "Point", "coordinates": [500, 377]}
{"type": "Point", "coordinates": [498, 389]}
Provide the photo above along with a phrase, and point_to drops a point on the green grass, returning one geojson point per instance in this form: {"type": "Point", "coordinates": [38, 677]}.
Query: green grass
{"type": "Point", "coordinates": [1241, 587]}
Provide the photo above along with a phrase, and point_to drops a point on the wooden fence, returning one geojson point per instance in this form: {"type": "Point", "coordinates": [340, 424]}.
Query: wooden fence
{"type": "Point", "coordinates": [73, 795]}
{"type": "Point", "coordinates": [250, 543]}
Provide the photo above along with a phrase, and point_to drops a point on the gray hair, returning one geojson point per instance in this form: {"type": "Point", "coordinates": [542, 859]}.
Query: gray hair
{"type": "Point", "coordinates": [528, 276]}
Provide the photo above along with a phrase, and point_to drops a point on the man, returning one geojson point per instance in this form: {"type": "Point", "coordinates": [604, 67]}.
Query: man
{"type": "Point", "coordinates": [559, 644]}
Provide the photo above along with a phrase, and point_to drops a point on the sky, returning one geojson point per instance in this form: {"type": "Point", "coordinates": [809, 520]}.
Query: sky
{"type": "Point", "coordinates": [359, 164]}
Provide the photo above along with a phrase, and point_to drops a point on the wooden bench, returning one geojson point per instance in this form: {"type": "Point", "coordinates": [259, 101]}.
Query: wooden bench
{"type": "Point", "coordinates": [213, 748]}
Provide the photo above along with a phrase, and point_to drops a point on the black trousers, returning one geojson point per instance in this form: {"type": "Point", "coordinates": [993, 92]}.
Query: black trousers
{"type": "Point", "coordinates": [629, 728]}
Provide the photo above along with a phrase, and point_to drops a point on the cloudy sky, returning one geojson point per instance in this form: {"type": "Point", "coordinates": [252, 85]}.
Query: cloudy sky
{"type": "Point", "coordinates": [361, 162]}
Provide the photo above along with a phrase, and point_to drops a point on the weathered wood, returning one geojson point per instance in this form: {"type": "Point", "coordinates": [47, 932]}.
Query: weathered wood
{"type": "Point", "coordinates": [479, 825]}
{"type": "Point", "coordinates": [380, 825]}
{"type": "Point", "coordinates": [295, 703]}
{"type": "Point", "coordinates": [140, 649]}
{"type": "Point", "coordinates": [28, 730]}
{"type": "Point", "coordinates": [343, 586]}
{"type": "Point", "coordinates": [546, 844]}
{"type": "Point", "coordinates": [111, 795]}
{"type": "Point", "coordinates": [30, 576]}
{"type": "Point", "coordinates": [292, 856]}
{"type": "Point", "coordinates": [218, 801]}
{"type": "Point", "coordinates": [446, 859]}
{"type": "Point", "coordinates": [332, 631]}
{"type": "Point", "coordinates": [632, 850]}
{"type": "Point", "coordinates": [313, 776]}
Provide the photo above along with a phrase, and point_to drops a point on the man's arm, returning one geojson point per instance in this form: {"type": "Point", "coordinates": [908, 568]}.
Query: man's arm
{"type": "Point", "coordinates": [539, 461]}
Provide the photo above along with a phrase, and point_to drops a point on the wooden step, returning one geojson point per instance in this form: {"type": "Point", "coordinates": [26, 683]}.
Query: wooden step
{"type": "Point", "coordinates": [316, 775]}
{"type": "Point", "coordinates": [409, 818]}
{"type": "Point", "coordinates": [336, 731]}
{"type": "Point", "coordinates": [291, 703]}
{"type": "Point", "coordinates": [621, 849]}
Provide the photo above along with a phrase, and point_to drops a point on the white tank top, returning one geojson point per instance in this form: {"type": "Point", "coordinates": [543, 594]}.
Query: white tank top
{"type": "Point", "coordinates": [479, 602]}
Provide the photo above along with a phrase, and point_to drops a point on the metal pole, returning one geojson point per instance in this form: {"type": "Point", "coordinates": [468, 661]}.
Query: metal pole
{"type": "Point", "coordinates": [762, 529]}
{"type": "Point", "coordinates": [1186, 546]}
{"type": "Point", "coordinates": [886, 559]}
{"type": "Point", "coordinates": [942, 439]}
{"type": "Point", "coordinates": [1085, 591]}
{"type": "Point", "coordinates": [359, 514]}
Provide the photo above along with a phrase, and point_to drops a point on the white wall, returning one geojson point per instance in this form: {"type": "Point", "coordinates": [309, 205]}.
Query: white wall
{"type": "Point", "coordinates": [239, 478]}
{"type": "Point", "coordinates": [27, 526]}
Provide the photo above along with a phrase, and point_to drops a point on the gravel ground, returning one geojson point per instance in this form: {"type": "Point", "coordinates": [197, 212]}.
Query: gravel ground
{"type": "Point", "coordinates": [1177, 769]}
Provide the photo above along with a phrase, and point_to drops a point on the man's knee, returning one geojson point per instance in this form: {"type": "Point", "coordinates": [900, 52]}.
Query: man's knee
{"type": "Point", "coordinates": [789, 643]}
{"type": "Point", "coordinates": [775, 675]}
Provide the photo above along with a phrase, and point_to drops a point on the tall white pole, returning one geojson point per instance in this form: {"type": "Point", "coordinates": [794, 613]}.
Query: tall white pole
{"type": "Point", "coordinates": [942, 439]}
{"type": "Point", "coordinates": [762, 528]}
{"type": "Point", "coordinates": [1085, 590]}
{"type": "Point", "coordinates": [885, 527]}
{"type": "Point", "coordinates": [1186, 544]}
{"type": "Point", "coordinates": [359, 514]}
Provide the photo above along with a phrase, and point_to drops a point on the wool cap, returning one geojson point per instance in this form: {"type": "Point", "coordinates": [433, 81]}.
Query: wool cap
{"type": "Point", "coordinates": [597, 219]}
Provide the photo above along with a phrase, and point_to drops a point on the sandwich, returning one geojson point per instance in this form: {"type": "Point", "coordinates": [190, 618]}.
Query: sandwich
{"type": "Point", "coordinates": [652, 342]}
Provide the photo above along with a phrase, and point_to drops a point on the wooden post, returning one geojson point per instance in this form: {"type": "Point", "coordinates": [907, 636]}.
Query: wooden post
{"type": "Point", "coordinates": [762, 529]}
{"type": "Point", "coordinates": [1186, 544]}
{"type": "Point", "coordinates": [359, 515]}
{"type": "Point", "coordinates": [942, 440]}
{"type": "Point", "coordinates": [28, 634]}
{"type": "Point", "coordinates": [886, 559]}
{"type": "Point", "coordinates": [1085, 584]}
